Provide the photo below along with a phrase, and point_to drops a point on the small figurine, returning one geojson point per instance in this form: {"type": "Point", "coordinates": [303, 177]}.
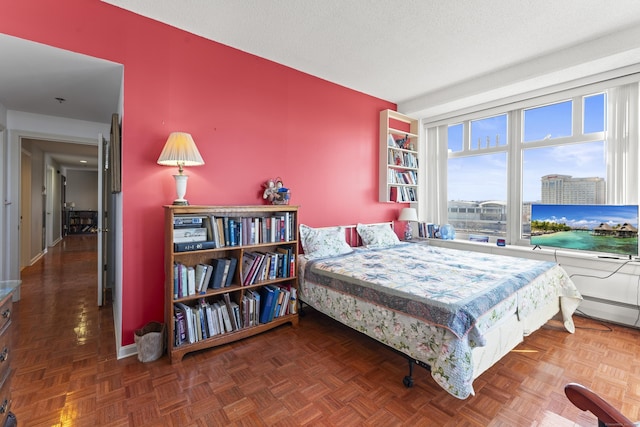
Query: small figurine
{"type": "Point", "coordinates": [282, 193]}
{"type": "Point", "coordinates": [269, 191]}
{"type": "Point", "coordinates": [275, 192]}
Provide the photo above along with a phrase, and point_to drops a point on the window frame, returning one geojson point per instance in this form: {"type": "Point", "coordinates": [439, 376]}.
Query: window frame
{"type": "Point", "coordinates": [435, 203]}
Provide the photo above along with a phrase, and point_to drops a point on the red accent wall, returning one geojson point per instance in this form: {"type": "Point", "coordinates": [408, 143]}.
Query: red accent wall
{"type": "Point", "coordinates": [251, 118]}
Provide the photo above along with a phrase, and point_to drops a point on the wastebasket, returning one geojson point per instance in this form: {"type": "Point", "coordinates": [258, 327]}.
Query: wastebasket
{"type": "Point", "coordinates": [150, 341]}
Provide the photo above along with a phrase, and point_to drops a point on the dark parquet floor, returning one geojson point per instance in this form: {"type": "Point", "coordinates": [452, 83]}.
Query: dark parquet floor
{"type": "Point", "coordinates": [319, 374]}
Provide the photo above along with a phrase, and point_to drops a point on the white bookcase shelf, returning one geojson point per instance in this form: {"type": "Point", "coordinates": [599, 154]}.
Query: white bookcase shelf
{"type": "Point", "coordinates": [398, 157]}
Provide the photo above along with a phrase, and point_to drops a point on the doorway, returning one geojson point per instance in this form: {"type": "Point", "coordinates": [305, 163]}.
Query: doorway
{"type": "Point", "coordinates": [87, 92]}
{"type": "Point", "coordinates": [25, 209]}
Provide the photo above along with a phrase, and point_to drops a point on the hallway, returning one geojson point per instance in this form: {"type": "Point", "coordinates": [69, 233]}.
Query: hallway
{"type": "Point", "coordinates": [65, 343]}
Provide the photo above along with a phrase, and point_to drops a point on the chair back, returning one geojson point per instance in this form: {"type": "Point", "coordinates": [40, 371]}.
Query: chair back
{"type": "Point", "coordinates": [587, 400]}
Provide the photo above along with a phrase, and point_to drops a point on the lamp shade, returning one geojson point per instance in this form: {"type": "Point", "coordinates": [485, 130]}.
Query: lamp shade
{"type": "Point", "coordinates": [180, 150]}
{"type": "Point", "coordinates": [408, 214]}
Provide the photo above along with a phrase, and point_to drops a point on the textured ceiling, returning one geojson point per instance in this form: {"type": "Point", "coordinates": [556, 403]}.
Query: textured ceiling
{"type": "Point", "coordinates": [397, 50]}
{"type": "Point", "coordinates": [33, 75]}
{"type": "Point", "coordinates": [416, 53]}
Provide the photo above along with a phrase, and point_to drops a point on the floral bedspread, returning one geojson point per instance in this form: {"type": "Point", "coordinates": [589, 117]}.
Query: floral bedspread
{"type": "Point", "coordinates": [433, 304]}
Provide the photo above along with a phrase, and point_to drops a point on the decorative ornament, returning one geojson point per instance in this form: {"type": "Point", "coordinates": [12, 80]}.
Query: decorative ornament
{"type": "Point", "coordinates": [275, 192]}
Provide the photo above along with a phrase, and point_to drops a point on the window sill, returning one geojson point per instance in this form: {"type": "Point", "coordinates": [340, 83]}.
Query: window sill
{"type": "Point", "coordinates": [575, 259]}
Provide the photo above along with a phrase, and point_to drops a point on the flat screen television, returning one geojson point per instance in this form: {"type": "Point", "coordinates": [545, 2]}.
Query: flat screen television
{"type": "Point", "coordinates": [611, 229]}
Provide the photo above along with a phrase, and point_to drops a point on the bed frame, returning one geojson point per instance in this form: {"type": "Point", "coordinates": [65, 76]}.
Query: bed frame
{"type": "Point", "coordinates": [353, 239]}
{"type": "Point", "coordinates": [500, 339]}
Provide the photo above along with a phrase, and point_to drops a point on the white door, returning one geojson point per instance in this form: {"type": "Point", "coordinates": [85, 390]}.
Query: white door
{"type": "Point", "coordinates": [50, 205]}
{"type": "Point", "coordinates": [25, 210]}
{"type": "Point", "coordinates": [101, 147]}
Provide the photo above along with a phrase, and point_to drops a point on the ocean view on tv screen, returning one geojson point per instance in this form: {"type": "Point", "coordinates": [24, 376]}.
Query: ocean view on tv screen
{"type": "Point", "coordinates": [610, 229]}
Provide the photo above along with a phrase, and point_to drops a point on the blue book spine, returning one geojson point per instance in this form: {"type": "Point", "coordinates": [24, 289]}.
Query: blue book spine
{"type": "Point", "coordinates": [266, 308]}
{"type": "Point", "coordinates": [232, 232]}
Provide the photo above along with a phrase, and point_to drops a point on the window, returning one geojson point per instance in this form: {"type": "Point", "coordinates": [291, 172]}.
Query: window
{"type": "Point", "coordinates": [561, 164]}
{"type": "Point", "coordinates": [555, 152]}
{"type": "Point", "coordinates": [477, 176]}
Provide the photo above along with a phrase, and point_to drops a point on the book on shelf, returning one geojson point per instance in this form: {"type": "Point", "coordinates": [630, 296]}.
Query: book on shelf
{"type": "Point", "coordinates": [218, 231]}
{"type": "Point", "coordinates": [267, 294]}
{"type": "Point", "coordinates": [207, 278]}
{"type": "Point", "coordinates": [188, 221]}
{"type": "Point", "coordinates": [293, 301]}
{"type": "Point", "coordinates": [200, 326]}
{"type": "Point", "coordinates": [284, 309]}
{"type": "Point", "coordinates": [256, 269]}
{"type": "Point", "coordinates": [247, 311]}
{"type": "Point", "coordinates": [235, 309]}
{"type": "Point", "coordinates": [186, 235]}
{"type": "Point", "coordinates": [207, 311]}
{"type": "Point", "coordinates": [191, 281]}
{"type": "Point", "coordinates": [227, 302]}
{"type": "Point", "coordinates": [233, 262]}
{"type": "Point", "coordinates": [424, 230]}
{"type": "Point", "coordinates": [255, 302]}
{"type": "Point", "coordinates": [183, 283]}
{"type": "Point", "coordinates": [278, 302]}
{"type": "Point", "coordinates": [225, 273]}
{"type": "Point", "coordinates": [263, 268]}
{"type": "Point", "coordinates": [393, 194]}
{"type": "Point", "coordinates": [203, 276]}
{"type": "Point", "coordinates": [176, 281]}
{"type": "Point", "coordinates": [217, 309]}
{"type": "Point", "coordinates": [219, 266]}
{"type": "Point", "coordinates": [180, 326]}
{"type": "Point", "coordinates": [250, 261]}
{"type": "Point", "coordinates": [285, 269]}
{"type": "Point", "coordinates": [275, 267]}
{"type": "Point", "coordinates": [232, 230]}
{"type": "Point", "coordinates": [187, 317]}
{"type": "Point", "coordinates": [225, 316]}
{"type": "Point", "coordinates": [249, 230]}
{"type": "Point", "coordinates": [193, 246]}
{"type": "Point", "coordinates": [292, 264]}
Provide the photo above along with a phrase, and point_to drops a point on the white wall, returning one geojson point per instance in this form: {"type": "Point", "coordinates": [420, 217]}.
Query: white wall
{"type": "Point", "coordinates": [29, 125]}
{"type": "Point", "coordinates": [82, 189]}
{"type": "Point", "coordinates": [4, 268]}
{"type": "Point", "coordinates": [37, 206]}
{"type": "Point", "coordinates": [610, 56]}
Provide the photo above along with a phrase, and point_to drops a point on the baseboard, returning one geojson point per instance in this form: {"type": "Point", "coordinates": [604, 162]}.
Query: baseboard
{"type": "Point", "coordinates": [127, 351]}
{"type": "Point", "coordinates": [610, 311]}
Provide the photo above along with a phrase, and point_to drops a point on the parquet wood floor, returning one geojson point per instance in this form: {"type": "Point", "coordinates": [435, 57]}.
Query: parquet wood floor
{"type": "Point", "coordinates": [319, 374]}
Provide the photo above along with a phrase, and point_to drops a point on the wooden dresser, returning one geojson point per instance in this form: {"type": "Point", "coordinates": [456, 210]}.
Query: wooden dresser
{"type": "Point", "coordinates": [6, 349]}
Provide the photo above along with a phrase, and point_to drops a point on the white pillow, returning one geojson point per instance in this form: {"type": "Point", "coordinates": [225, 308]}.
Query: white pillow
{"type": "Point", "coordinates": [377, 235]}
{"type": "Point", "coordinates": [325, 242]}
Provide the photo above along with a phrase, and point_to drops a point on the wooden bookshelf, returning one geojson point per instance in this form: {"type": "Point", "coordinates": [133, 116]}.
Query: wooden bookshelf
{"type": "Point", "coordinates": [253, 235]}
{"type": "Point", "coordinates": [82, 222]}
{"type": "Point", "coordinates": [398, 158]}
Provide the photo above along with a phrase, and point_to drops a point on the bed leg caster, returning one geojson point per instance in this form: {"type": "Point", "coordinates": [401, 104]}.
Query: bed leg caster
{"type": "Point", "coordinates": [408, 380]}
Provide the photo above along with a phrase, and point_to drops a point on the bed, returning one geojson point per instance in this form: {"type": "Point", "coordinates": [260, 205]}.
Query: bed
{"type": "Point", "coordinates": [455, 312]}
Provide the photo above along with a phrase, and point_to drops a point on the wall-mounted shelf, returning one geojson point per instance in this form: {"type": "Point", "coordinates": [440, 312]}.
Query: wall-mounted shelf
{"type": "Point", "coordinates": [398, 157]}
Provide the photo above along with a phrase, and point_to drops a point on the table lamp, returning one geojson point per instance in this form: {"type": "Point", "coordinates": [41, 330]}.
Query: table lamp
{"type": "Point", "coordinates": [180, 150]}
{"type": "Point", "coordinates": [408, 215]}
